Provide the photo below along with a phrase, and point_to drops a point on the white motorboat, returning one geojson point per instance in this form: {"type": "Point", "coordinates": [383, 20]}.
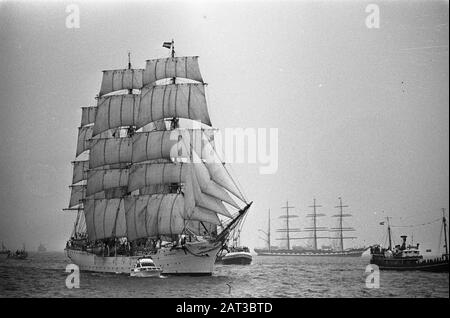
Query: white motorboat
{"type": "Point", "coordinates": [145, 267]}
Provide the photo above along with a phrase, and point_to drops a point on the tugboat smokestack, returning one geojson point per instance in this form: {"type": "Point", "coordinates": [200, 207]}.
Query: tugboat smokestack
{"type": "Point", "coordinates": [404, 242]}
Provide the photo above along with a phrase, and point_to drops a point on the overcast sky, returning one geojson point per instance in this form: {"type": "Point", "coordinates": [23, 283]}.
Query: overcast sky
{"type": "Point", "coordinates": [361, 113]}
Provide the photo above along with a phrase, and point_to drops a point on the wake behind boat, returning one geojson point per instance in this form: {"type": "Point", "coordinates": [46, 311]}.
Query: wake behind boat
{"type": "Point", "coordinates": [147, 179]}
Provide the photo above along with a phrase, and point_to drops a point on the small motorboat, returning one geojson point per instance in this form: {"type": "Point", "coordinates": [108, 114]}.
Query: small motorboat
{"type": "Point", "coordinates": [235, 256]}
{"type": "Point", "coordinates": [145, 267]}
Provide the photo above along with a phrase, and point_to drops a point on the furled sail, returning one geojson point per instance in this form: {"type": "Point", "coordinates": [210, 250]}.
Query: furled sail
{"type": "Point", "coordinates": [155, 189]}
{"type": "Point", "coordinates": [116, 80]}
{"type": "Point", "coordinates": [80, 169]}
{"type": "Point", "coordinates": [105, 218]}
{"type": "Point", "coordinates": [112, 193]}
{"type": "Point", "coordinates": [105, 179]}
{"type": "Point", "coordinates": [173, 100]}
{"type": "Point", "coordinates": [154, 215]}
{"type": "Point", "coordinates": [108, 151]}
{"type": "Point", "coordinates": [185, 67]}
{"type": "Point", "coordinates": [88, 115]}
{"type": "Point", "coordinates": [115, 111]}
{"type": "Point", "coordinates": [147, 174]}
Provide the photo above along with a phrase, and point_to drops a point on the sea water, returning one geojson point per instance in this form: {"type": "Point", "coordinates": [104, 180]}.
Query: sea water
{"type": "Point", "coordinates": [44, 275]}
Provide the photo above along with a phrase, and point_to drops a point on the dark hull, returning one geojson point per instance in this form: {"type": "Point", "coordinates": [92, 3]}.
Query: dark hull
{"type": "Point", "coordinates": [237, 261]}
{"type": "Point", "coordinates": [318, 253]}
{"type": "Point", "coordinates": [437, 266]}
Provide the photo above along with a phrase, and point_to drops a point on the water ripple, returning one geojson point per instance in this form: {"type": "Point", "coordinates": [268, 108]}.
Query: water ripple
{"type": "Point", "coordinates": [43, 275]}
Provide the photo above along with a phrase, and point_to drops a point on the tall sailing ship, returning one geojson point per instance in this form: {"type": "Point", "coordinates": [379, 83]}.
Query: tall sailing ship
{"type": "Point", "coordinates": [315, 231]}
{"type": "Point", "coordinates": [147, 179]}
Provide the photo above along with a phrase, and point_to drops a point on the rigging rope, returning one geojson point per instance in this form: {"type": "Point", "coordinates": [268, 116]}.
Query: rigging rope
{"type": "Point", "coordinates": [416, 225]}
{"type": "Point", "coordinates": [440, 237]}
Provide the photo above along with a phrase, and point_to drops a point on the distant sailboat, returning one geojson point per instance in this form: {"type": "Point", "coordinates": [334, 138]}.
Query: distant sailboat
{"type": "Point", "coordinates": [4, 252]}
{"type": "Point", "coordinates": [41, 248]}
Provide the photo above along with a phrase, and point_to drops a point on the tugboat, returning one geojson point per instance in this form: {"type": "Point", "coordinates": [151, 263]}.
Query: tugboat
{"type": "Point", "coordinates": [404, 257]}
{"type": "Point", "coordinates": [145, 267]}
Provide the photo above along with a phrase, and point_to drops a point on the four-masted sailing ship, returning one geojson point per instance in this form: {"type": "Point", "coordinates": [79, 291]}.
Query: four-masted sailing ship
{"type": "Point", "coordinates": [147, 180]}
{"type": "Point", "coordinates": [313, 250]}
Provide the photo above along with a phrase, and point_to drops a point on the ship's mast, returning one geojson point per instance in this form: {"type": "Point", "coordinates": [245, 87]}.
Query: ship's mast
{"type": "Point", "coordinates": [315, 223]}
{"type": "Point", "coordinates": [174, 121]}
{"type": "Point", "coordinates": [444, 223]}
{"type": "Point", "coordinates": [314, 216]}
{"type": "Point", "coordinates": [341, 229]}
{"type": "Point", "coordinates": [173, 48]}
{"type": "Point", "coordinates": [130, 91]}
{"type": "Point", "coordinates": [287, 229]}
{"type": "Point", "coordinates": [389, 233]}
{"type": "Point", "coordinates": [130, 131]}
{"type": "Point", "coordinates": [341, 233]}
{"type": "Point", "coordinates": [268, 233]}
